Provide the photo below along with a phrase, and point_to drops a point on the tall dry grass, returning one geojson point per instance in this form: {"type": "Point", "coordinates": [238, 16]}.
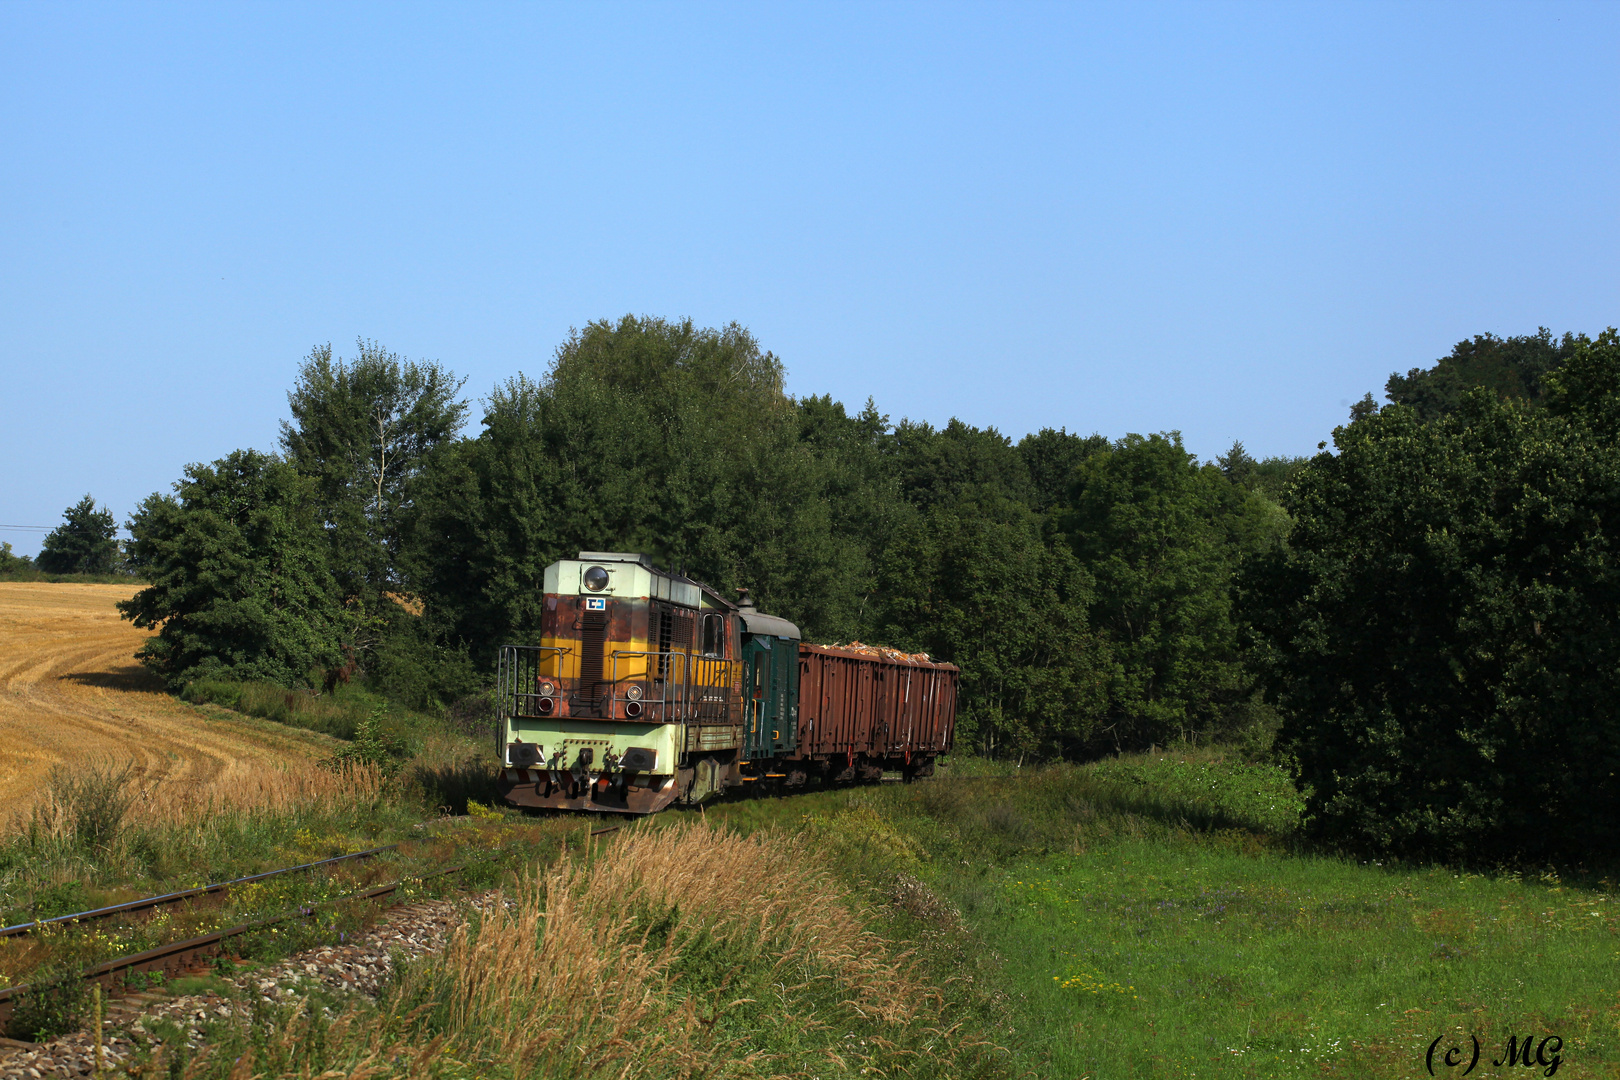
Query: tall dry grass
{"type": "Point", "coordinates": [93, 803]}
{"type": "Point", "coordinates": [281, 788]}
{"type": "Point", "coordinates": [592, 947]}
{"type": "Point", "coordinates": [103, 832]}
{"type": "Point", "coordinates": [675, 952]}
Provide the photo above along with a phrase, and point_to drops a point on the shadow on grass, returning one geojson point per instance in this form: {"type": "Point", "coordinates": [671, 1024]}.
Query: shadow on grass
{"type": "Point", "coordinates": [1057, 809]}
{"type": "Point", "coordinates": [984, 818]}
{"type": "Point", "coordinates": [131, 678]}
{"type": "Point", "coordinates": [448, 785]}
{"type": "Point", "coordinates": [338, 715]}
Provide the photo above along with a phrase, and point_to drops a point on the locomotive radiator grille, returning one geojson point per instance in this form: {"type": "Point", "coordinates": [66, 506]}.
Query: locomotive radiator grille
{"type": "Point", "coordinates": [592, 642]}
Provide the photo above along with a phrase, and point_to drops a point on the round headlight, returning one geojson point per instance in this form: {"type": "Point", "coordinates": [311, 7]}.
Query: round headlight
{"type": "Point", "coordinates": [634, 693]}
{"type": "Point", "coordinates": [596, 579]}
{"type": "Point", "coordinates": [546, 689]}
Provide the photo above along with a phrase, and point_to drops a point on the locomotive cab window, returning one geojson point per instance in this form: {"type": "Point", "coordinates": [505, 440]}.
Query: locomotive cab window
{"type": "Point", "coordinates": [714, 635]}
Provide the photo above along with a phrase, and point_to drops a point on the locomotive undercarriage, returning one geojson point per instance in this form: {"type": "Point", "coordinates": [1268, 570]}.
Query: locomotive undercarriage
{"type": "Point", "coordinates": [619, 791]}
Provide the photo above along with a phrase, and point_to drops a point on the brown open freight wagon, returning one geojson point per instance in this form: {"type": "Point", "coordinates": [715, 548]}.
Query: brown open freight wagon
{"type": "Point", "coordinates": [876, 705]}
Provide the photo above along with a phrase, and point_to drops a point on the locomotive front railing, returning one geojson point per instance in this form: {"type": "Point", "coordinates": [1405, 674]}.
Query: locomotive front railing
{"type": "Point", "coordinates": [670, 686]}
{"type": "Point", "coordinates": [517, 680]}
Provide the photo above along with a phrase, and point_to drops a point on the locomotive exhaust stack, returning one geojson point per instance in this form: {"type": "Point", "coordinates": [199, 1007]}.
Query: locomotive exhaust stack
{"type": "Point", "coordinates": [647, 688]}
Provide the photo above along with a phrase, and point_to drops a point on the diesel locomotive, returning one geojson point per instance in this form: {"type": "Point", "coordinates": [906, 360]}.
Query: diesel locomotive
{"type": "Point", "coordinates": [647, 688]}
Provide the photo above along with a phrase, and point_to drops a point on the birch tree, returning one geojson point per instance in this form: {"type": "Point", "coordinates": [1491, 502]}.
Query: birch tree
{"type": "Point", "coordinates": [363, 429]}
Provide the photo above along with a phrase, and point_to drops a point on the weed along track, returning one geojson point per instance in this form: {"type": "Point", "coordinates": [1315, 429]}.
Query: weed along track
{"type": "Point", "coordinates": [360, 963]}
{"type": "Point", "coordinates": [151, 903]}
{"type": "Point", "coordinates": [642, 951]}
{"type": "Point", "coordinates": [194, 953]}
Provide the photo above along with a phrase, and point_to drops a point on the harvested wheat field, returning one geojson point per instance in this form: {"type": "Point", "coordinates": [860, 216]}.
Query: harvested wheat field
{"type": "Point", "coordinates": [72, 694]}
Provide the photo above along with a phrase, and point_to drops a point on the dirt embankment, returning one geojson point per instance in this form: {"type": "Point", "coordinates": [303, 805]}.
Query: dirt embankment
{"type": "Point", "coordinates": [71, 693]}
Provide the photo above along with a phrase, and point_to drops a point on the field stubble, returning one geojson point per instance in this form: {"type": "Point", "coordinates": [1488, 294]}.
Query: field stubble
{"type": "Point", "coordinates": [71, 695]}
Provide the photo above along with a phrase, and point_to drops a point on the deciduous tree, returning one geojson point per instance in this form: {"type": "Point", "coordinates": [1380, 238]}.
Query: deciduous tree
{"type": "Point", "coordinates": [1512, 367]}
{"type": "Point", "coordinates": [1161, 537]}
{"type": "Point", "coordinates": [1444, 626]}
{"type": "Point", "coordinates": [645, 435]}
{"type": "Point", "coordinates": [362, 429]}
{"type": "Point", "coordinates": [240, 584]}
{"type": "Point", "coordinates": [83, 544]}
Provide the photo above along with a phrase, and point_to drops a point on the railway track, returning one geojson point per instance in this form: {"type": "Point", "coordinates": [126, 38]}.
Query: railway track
{"type": "Point", "coordinates": [179, 956]}
{"type": "Point", "coordinates": [147, 904]}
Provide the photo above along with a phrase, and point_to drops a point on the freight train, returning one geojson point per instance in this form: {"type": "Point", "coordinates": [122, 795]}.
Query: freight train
{"type": "Point", "coordinates": [648, 689]}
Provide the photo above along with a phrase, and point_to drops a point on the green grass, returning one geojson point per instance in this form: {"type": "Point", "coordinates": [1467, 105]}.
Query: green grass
{"type": "Point", "coordinates": [1158, 916]}
{"type": "Point", "coordinates": [338, 713]}
{"type": "Point", "coordinates": [1145, 958]}
{"type": "Point", "coordinates": [1258, 797]}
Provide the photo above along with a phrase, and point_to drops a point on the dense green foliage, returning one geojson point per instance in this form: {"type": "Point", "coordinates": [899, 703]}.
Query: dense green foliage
{"type": "Point", "coordinates": [11, 563]}
{"type": "Point", "coordinates": [1445, 621]}
{"type": "Point", "coordinates": [240, 579]}
{"type": "Point", "coordinates": [648, 436]}
{"type": "Point", "coordinates": [1513, 367]}
{"type": "Point", "coordinates": [362, 430]}
{"type": "Point", "coordinates": [1430, 607]}
{"type": "Point", "coordinates": [1270, 475]}
{"type": "Point", "coordinates": [83, 544]}
{"type": "Point", "coordinates": [1162, 536]}
{"type": "Point", "coordinates": [1025, 564]}
{"type": "Point", "coordinates": [1082, 585]}
{"type": "Point", "coordinates": [14, 567]}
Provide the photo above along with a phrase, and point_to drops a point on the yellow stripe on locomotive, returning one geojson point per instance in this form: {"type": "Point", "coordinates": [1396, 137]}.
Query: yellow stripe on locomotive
{"type": "Point", "coordinates": [633, 665]}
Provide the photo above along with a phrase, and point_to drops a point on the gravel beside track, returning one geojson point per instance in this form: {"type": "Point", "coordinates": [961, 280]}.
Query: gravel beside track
{"type": "Point", "coordinates": [359, 966]}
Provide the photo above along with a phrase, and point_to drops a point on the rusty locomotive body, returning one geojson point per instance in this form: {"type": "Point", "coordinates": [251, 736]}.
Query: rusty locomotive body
{"type": "Point", "coordinates": [647, 688]}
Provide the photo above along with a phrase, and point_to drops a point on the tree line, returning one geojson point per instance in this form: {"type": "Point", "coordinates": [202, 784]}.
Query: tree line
{"type": "Point", "coordinates": [1082, 584]}
{"type": "Point", "coordinates": [84, 544]}
{"type": "Point", "coordinates": [1420, 611]}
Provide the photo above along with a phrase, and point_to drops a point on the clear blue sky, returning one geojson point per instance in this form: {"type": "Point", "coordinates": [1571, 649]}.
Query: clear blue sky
{"type": "Point", "coordinates": [1231, 220]}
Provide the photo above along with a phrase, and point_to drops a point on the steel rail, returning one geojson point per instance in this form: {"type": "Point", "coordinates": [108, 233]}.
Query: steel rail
{"type": "Point", "coordinates": [184, 894]}
{"type": "Point", "coordinates": [176, 954]}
